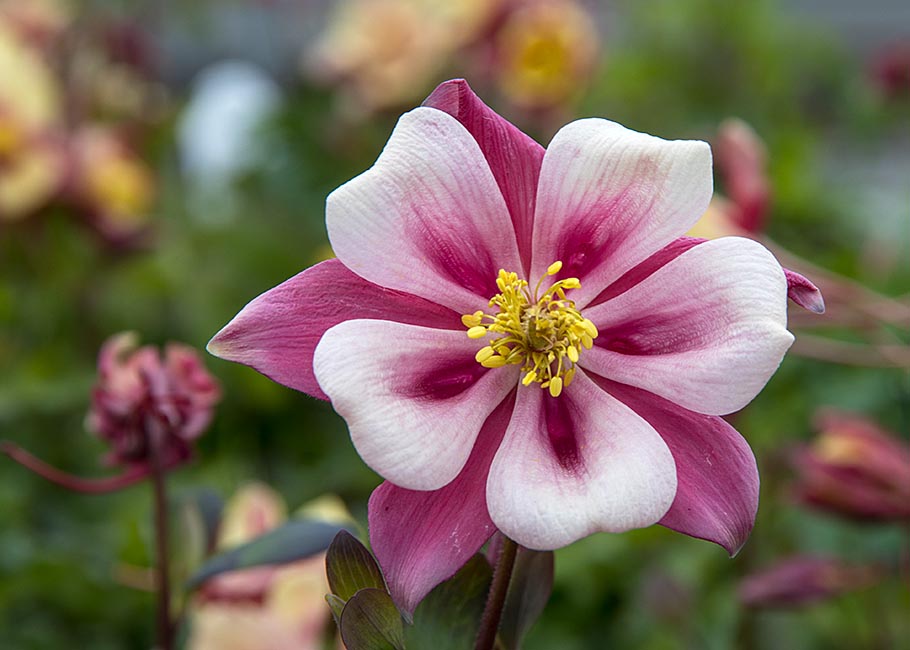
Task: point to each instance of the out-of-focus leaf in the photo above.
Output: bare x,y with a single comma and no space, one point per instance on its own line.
370,621
295,540
350,567
208,506
529,591
449,617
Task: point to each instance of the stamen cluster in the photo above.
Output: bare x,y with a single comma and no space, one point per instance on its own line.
544,333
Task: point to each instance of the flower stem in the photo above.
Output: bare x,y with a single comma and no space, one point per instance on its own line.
75,483
162,561
492,612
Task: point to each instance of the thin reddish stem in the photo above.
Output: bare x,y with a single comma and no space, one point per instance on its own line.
70,481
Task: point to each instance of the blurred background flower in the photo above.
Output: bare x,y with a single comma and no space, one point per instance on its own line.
31,155
265,608
803,580
146,404
855,469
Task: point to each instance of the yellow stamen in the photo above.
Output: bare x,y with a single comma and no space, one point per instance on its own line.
493,362
543,332
555,386
472,320
483,354
477,332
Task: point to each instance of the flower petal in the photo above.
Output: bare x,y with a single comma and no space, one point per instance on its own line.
428,217
277,332
717,492
805,294
422,538
706,331
577,464
641,271
610,197
799,288
414,397
514,158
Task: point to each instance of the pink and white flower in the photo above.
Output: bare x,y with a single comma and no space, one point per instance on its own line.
591,403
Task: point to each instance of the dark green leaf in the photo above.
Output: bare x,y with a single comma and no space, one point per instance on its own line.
370,621
449,617
529,591
296,540
350,567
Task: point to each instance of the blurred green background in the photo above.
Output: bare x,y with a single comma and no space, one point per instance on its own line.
802,74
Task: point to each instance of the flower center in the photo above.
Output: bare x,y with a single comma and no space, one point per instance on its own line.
544,333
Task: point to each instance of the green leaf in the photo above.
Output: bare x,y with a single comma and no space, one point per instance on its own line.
370,621
449,617
529,591
296,540
336,604
350,567
207,506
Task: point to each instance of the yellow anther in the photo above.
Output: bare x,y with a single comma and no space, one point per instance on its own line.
570,375
572,353
493,362
589,327
570,283
529,378
554,268
483,354
555,386
477,332
472,320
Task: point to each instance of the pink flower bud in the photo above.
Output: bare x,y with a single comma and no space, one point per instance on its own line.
741,161
803,579
143,399
855,469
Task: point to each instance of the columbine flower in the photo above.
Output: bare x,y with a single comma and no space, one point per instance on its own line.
545,50
270,607
522,339
855,469
111,183
385,52
143,399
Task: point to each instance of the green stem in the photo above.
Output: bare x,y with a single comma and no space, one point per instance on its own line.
492,612
162,561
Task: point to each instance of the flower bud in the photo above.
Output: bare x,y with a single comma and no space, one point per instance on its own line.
142,399
741,161
855,469
804,579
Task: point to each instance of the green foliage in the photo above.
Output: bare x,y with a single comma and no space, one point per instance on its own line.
350,567
370,621
297,539
449,617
